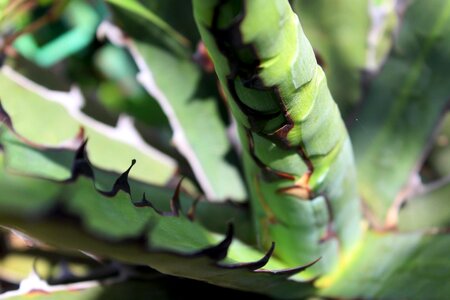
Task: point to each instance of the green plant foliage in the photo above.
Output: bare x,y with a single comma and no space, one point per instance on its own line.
180,148
340,43
396,261
191,108
298,159
404,105
61,111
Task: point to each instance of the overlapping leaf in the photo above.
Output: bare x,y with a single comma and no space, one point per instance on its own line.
52,118
116,219
340,43
404,105
190,100
429,210
394,266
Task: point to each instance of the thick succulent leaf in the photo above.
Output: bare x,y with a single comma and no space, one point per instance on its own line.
190,100
111,226
427,211
297,154
53,118
114,219
340,43
404,105
394,266
45,162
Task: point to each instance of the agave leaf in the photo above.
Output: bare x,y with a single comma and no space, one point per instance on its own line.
190,100
108,221
404,105
297,155
340,43
110,224
427,210
38,161
394,266
69,236
54,118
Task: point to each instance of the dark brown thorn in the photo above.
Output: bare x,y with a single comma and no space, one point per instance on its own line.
192,210
279,136
252,265
289,272
81,164
145,203
121,182
175,206
261,165
80,154
219,251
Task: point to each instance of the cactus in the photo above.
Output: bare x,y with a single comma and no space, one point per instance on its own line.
243,183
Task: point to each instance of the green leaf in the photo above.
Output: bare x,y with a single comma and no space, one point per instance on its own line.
134,232
426,211
297,155
191,103
340,43
37,161
404,105
53,118
394,266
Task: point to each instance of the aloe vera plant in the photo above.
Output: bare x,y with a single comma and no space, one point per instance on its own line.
247,182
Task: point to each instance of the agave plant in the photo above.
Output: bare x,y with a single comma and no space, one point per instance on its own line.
144,143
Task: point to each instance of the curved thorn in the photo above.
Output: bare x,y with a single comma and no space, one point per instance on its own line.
192,210
81,164
289,272
252,265
219,251
121,182
145,203
81,154
175,206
